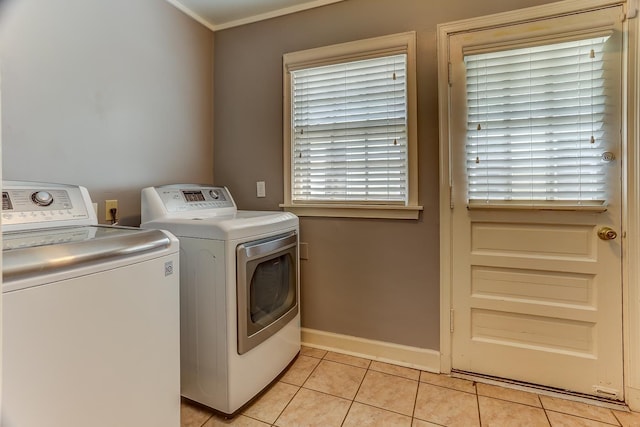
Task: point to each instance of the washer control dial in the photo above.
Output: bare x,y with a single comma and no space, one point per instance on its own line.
42,198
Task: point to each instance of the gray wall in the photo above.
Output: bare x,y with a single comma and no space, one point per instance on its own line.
114,95
374,279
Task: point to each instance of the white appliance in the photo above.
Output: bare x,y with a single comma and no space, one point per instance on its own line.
240,320
90,315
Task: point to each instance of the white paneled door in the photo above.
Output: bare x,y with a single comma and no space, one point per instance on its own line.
536,283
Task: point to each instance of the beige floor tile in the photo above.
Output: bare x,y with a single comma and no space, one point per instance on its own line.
300,370
564,420
447,381
347,359
271,404
336,379
311,408
363,416
388,392
579,409
238,421
517,396
497,413
400,371
628,419
420,423
445,406
192,415
312,352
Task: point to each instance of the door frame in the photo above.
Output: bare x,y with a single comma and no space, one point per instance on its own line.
630,175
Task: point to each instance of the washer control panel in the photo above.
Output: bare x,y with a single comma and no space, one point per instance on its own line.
40,203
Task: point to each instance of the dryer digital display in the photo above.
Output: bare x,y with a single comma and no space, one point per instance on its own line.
193,196
209,195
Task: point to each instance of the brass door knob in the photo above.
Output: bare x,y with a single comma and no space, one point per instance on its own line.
607,233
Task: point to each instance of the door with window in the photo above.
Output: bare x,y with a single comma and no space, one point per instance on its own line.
536,202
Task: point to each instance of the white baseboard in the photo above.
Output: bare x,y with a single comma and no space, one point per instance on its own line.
411,357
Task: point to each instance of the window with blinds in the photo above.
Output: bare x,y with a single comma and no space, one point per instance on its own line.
536,129
350,131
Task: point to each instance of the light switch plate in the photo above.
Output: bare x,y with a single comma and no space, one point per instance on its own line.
261,189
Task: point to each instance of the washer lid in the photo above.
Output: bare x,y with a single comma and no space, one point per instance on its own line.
42,252
240,225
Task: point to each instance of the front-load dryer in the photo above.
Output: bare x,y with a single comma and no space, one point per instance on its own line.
239,312
90,315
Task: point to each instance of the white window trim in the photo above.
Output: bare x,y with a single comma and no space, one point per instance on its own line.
351,51
631,172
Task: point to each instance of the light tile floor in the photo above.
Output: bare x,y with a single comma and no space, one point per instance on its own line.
327,389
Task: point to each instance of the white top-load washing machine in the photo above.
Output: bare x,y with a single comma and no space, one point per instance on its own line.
240,320
90,315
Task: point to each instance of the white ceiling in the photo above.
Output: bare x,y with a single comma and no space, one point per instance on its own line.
221,14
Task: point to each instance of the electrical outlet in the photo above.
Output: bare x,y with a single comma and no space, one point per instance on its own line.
108,205
304,250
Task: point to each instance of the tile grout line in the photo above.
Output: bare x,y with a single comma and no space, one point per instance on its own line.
580,415
355,395
415,401
475,387
210,413
503,399
617,419
367,370
546,414
207,420
285,406
300,387
619,424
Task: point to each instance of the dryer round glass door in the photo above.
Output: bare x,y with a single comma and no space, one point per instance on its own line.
267,288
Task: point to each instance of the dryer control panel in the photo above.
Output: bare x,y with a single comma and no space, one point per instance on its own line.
27,205
186,200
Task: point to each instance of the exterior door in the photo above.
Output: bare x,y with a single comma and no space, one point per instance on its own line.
536,287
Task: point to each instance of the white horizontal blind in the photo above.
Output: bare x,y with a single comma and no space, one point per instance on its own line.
535,128
350,132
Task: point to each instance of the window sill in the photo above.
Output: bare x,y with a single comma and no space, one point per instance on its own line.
354,211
